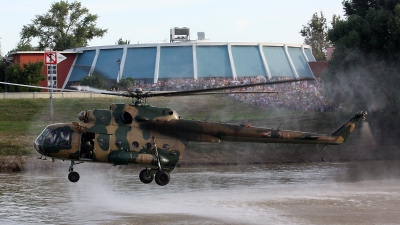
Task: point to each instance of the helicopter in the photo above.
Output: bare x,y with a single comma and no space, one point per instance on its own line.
156,137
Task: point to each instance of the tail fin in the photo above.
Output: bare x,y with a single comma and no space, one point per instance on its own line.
345,130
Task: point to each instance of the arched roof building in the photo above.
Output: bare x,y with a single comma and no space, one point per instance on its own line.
149,63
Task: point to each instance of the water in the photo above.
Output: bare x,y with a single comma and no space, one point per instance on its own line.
316,193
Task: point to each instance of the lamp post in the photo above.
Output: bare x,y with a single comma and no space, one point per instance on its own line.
119,75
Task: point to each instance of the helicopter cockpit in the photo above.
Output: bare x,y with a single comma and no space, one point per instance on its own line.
52,139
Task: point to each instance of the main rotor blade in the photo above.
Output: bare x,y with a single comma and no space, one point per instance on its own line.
39,87
139,94
104,92
199,92
224,93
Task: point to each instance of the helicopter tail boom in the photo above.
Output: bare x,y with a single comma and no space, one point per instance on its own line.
265,135
344,131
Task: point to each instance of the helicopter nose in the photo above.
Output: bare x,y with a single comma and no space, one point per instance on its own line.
39,147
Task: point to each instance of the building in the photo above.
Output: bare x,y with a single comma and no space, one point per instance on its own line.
149,63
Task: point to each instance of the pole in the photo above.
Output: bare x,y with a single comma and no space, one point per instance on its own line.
51,93
50,81
5,74
119,75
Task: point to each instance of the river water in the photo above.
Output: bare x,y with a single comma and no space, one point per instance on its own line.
314,193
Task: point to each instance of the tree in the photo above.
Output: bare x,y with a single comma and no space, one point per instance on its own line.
29,73
94,81
372,26
315,34
65,25
335,20
23,45
122,42
2,71
127,83
365,65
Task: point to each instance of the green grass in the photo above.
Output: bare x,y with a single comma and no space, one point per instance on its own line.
22,120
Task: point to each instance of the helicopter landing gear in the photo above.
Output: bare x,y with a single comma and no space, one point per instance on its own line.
73,176
146,176
162,178
322,155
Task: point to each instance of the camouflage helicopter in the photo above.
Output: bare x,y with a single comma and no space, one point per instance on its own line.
155,137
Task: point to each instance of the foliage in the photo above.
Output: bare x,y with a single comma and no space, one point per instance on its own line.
24,45
315,34
365,65
122,42
335,20
371,26
29,73
65,25
127,83
94,81
2,72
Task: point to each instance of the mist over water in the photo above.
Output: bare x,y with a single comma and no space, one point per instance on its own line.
315,193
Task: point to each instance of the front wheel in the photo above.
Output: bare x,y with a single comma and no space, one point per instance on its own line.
162,178
73,176
145,176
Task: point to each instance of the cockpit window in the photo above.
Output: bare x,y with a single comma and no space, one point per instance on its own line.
50,139
44,134
59,138
63,138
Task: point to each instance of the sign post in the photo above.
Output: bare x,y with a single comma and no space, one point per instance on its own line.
50,59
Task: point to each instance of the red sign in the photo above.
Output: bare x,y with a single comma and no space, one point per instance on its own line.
50,58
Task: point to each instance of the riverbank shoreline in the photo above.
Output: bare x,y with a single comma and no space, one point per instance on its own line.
37,163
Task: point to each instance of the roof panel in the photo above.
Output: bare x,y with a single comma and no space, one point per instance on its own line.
213,61
309,55
176,62
299,62
140,62
277,61
107,63
248,61
82,65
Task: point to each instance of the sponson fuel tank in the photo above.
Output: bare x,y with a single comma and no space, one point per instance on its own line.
124,157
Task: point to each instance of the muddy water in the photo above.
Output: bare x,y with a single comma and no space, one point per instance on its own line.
317,193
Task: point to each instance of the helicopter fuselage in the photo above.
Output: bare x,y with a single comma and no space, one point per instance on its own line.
156,137
133,134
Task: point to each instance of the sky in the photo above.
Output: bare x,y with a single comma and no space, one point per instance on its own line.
150,21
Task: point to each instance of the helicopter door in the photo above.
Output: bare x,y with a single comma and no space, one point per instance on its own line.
87,146
101,147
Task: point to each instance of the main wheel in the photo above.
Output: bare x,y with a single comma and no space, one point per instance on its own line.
145,176
162,178
73,177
